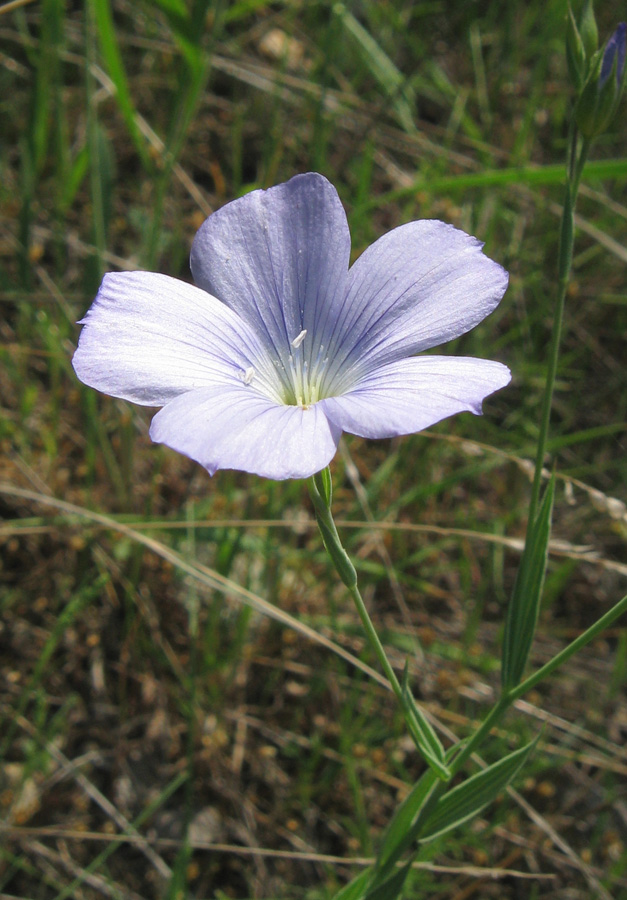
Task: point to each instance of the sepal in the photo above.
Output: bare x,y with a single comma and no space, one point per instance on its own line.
575,52
588,29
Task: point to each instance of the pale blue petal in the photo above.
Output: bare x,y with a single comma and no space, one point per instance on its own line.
237,428
148,338
417,287
411,394
279,258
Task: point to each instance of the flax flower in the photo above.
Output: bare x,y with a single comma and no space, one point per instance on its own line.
280,347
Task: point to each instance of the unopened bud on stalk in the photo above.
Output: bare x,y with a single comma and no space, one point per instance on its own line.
614,56
602,91
582,41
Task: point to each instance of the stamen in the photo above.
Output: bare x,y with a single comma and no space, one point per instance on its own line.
248,376
299,339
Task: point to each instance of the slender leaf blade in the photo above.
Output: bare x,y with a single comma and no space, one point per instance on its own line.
399,834
522,612
391,887
471,796
534,176
115,66
356,888
422,730
383,69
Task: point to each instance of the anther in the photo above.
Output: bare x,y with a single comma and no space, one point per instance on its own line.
299,339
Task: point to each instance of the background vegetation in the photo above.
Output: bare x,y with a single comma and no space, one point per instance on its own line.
180,716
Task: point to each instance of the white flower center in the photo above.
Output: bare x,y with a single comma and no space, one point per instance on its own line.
299,377
305,376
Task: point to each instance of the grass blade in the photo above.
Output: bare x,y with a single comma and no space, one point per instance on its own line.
383,69
113,59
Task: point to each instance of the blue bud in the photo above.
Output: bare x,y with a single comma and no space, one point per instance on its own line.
614,49
602,91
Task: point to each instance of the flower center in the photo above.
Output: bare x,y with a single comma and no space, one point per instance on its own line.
299,377
303,385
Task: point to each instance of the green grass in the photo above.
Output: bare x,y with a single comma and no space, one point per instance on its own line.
184,680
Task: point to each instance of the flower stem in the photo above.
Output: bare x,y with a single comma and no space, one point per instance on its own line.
578,148
421,730
476,739
577,155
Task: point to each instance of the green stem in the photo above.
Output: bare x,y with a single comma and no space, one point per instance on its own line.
375,642
547,402
581,161
421,730
475,741
577,156
330,535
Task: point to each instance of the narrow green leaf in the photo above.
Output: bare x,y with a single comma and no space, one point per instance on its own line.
356,888
383,69
399,834
74,179
46,74
416,719
172,7
240,10
471,796
391,887
522,612
180,21
408,822
115,68
178,18
491,178
100,157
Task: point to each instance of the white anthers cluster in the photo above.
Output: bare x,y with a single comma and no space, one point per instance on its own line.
306,376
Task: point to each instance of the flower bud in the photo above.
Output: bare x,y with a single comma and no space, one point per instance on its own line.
602,91
614,53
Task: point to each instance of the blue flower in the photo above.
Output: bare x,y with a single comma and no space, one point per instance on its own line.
281,347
